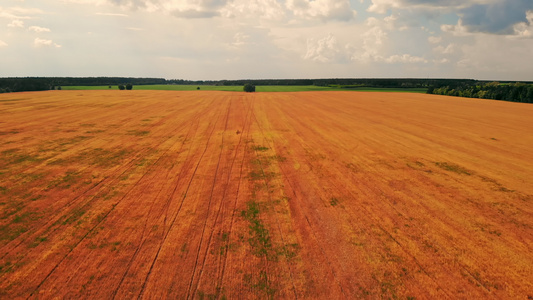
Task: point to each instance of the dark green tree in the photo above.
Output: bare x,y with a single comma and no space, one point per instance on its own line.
129,86
121,87
249,88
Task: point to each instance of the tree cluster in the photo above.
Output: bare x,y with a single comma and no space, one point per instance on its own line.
340,82
22,84
8,85
128,87
515,92
249,88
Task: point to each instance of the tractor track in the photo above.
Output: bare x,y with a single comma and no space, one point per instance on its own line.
116,179
147,278
245,128
190,289
193,129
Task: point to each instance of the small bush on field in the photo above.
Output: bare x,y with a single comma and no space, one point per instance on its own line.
249,88
121,87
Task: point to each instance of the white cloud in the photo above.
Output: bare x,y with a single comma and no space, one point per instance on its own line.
16,24
524,29
269,10
38,29
216,39
371,42
441,61
323,50
18,12
325,9
457,30
405,58
40,43
434,39
445,50
111,14
178,8
3,44
503,17
498,56
381,6
195,13
239,39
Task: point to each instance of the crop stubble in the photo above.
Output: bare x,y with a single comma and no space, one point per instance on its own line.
109,194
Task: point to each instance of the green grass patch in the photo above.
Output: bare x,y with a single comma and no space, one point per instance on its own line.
37,241
65,181
83,88
260,284
6,267
94,131
16,157
74,216
10,208
10,232
102,157
17,226
138,132
71,141
9,132
106,158
266,88
259,240
260,148
259,175
453,168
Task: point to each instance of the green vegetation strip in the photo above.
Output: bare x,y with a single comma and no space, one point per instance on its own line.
266,88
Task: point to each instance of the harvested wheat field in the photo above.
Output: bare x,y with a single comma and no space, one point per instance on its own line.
339,195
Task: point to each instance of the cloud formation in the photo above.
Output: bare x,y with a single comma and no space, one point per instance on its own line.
19,12
525,29
38,29
40,43
111,14
324,50
486,16
16,24
210,39
498,17
324,9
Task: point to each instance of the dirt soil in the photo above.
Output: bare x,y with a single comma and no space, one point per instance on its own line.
338,195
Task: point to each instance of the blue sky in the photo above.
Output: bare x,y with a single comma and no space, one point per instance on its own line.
237,39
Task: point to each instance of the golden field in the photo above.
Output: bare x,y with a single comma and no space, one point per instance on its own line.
340,195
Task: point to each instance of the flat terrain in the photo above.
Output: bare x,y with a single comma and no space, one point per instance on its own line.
264,88
338,195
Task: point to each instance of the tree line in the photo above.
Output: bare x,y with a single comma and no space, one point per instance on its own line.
339,82
23,84
508,91
515,92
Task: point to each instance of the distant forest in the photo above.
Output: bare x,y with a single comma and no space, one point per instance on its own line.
515,92
508,91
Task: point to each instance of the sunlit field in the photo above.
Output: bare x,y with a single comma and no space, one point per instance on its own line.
232,195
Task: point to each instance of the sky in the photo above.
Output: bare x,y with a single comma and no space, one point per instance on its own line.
268,39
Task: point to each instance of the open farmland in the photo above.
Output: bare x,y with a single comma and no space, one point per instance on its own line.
340,195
